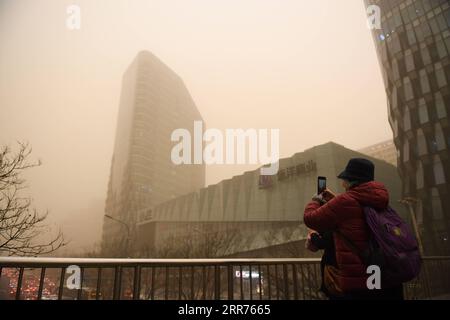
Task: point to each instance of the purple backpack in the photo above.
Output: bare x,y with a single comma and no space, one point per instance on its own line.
395,242
393,247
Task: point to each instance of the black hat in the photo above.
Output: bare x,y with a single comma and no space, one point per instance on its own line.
358,169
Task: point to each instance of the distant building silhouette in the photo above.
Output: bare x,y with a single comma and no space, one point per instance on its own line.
413,47
154,102
384,151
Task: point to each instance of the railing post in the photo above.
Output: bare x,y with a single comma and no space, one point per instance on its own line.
427,278
80,290
277,282
316,281
117,283
166,284
294,278
302,271
192,282
230,283
216,282
241,282
61,283
260,282
268,282
19,284
41,283
286,282
251,282
137,283
204,281
152,291
309,281
99,283
180,283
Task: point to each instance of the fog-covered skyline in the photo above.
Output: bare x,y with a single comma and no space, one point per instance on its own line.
308,68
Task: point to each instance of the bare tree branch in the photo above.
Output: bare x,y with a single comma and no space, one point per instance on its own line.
21,226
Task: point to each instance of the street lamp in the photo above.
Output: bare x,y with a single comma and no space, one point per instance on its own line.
409,202
128,230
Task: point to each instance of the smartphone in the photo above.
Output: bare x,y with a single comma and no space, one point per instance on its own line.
321,184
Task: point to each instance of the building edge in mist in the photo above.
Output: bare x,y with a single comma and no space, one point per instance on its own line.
383,150
265,211
154,102
413,47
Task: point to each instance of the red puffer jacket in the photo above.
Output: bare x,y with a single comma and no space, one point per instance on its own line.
345,213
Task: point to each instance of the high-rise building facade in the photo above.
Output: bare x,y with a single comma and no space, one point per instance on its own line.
154,102
413,47
385,151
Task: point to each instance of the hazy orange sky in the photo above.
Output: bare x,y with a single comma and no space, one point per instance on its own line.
306,67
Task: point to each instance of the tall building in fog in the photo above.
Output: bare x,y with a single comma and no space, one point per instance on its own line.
413,47
154,102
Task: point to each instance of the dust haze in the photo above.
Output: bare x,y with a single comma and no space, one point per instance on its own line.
308,68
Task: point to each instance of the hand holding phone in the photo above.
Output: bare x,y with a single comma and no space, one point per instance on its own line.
327,194
321,185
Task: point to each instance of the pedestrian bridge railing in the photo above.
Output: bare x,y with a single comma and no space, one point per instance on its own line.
186,279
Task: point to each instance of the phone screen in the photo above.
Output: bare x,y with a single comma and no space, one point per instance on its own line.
321,184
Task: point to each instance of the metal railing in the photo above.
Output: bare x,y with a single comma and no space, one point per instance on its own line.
186,279
433,281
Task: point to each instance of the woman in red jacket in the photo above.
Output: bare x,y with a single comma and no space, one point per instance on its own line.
342,216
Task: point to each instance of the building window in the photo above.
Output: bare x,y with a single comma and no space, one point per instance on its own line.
440,75
441,22
419,32
438,169
409,94
447,13
421,143
426,30
395,128
423,111
409,60
406,120
419,176
406,151
426,58
440,138
440,106
394,103
385,77
441,49
436,204
447,40
395,43
426,6
434,26
397,18
411,36
424,83
395,70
